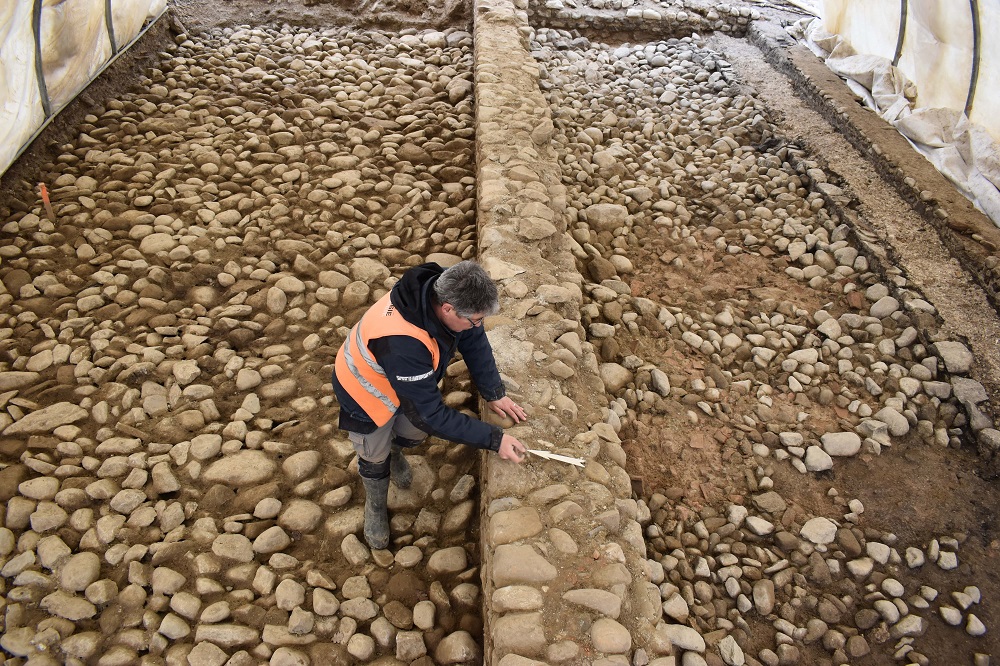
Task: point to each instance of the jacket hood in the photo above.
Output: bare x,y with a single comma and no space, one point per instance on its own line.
413,294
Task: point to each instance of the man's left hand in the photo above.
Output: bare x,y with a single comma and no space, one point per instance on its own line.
507,407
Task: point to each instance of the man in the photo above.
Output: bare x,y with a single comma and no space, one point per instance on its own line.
387,373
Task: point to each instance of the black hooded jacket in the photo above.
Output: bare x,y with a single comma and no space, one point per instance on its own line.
409,368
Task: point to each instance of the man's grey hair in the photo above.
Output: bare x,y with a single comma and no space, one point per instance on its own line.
469,289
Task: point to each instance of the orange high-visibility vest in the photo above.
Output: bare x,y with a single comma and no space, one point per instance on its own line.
360,374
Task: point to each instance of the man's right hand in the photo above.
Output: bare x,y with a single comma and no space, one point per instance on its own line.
511,449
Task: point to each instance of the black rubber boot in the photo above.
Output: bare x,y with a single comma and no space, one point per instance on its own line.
376,512
402,474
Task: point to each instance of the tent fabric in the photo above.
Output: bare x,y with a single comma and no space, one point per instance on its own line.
987,97
74,44
21,109
870,26
130,15
937,52
963,151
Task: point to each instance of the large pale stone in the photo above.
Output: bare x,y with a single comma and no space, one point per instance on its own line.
324,602
763,596
956,356
498,269
675,607
410,645
345,522
234,547
522,633
207,654
245,468
446,260
884,307
18,641
601,601
17,380
841,443
79,571
897,423
48,516
414,497
300,515
610,637
41,488
458,518
681,636
300,465
68,606
512,659
606,216
47,419
290,284
517,598
520,564
819,530
227,635
447,560
458,648
510,526
910,625
158,242
271,540
731,652
614,376
818,460
186,372
81,645
167,581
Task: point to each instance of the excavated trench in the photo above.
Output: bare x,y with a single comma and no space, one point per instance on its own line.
218,230
176,489
756,329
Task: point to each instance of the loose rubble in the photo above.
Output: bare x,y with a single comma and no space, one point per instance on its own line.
657,142
165,343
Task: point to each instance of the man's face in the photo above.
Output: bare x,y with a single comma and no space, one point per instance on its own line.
456,322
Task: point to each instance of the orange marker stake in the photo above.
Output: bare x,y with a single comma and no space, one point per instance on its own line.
45,200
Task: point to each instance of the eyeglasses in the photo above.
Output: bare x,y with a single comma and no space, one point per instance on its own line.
474,322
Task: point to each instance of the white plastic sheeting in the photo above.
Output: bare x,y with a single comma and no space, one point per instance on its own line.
21,111
936,51
74,45
926,95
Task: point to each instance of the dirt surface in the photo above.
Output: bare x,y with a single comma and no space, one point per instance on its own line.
964,308
367,14
121,75
918,246
912,491
110,123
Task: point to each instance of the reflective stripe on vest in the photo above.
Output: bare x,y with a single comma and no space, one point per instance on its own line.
360,374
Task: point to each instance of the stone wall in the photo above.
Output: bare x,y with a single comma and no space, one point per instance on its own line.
664,22
554,537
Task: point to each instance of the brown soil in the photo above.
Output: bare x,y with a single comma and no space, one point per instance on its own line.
963,306
367,14
912,490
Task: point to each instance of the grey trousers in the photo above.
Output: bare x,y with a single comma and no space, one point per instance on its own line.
375,446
